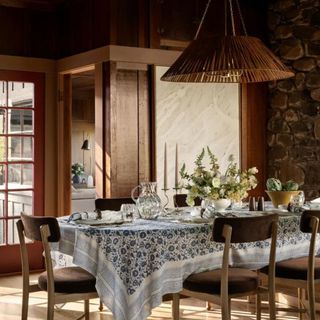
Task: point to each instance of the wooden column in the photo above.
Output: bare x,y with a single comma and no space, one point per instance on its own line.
254,100
126,145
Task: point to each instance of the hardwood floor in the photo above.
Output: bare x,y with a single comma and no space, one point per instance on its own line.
10,307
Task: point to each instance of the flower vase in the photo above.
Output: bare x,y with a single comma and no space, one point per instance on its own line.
221,205
76,179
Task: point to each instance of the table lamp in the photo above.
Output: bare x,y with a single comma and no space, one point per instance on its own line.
87,147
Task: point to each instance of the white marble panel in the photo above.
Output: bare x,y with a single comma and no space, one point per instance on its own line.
195,116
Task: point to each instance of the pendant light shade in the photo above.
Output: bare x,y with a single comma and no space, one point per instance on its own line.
227,58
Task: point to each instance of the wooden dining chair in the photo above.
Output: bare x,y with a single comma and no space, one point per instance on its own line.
111,204
180,200
221,285
302,273
62,284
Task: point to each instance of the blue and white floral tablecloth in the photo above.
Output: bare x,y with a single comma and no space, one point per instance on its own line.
136,264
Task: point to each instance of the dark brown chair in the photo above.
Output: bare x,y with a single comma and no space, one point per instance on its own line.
180,200
111,204
64,284
221,285
302,273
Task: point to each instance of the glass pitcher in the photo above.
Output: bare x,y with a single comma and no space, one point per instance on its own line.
148,202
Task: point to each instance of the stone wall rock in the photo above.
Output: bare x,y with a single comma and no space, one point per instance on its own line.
293,135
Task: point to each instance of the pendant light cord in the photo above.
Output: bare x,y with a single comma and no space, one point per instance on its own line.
225,18
202,19
232,18
241,19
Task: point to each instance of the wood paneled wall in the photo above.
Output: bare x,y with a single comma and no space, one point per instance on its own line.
80,25
126,129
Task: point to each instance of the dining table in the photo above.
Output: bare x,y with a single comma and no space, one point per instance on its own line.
137,263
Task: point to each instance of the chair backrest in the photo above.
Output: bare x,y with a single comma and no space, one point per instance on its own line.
246,229
32,227
306,218
44,229
111,204
180,200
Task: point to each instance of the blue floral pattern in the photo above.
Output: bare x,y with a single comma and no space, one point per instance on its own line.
144,247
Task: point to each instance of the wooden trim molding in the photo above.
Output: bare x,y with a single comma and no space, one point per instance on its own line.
253,124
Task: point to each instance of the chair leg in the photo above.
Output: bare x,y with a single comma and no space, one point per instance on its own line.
25,303
272,305
312,303
258,306
50,310
175,306
100,305
86,310
225,309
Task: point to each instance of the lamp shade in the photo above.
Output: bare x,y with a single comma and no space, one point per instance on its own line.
227,59
86,145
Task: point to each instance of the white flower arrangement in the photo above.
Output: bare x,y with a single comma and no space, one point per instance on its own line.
211,184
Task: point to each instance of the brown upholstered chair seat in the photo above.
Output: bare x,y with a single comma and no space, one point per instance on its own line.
69,280
239,280
296,268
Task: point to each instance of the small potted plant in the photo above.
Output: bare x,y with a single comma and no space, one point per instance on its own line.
279,192
76,169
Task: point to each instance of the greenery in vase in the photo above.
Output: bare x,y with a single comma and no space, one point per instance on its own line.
274,184
211,184
77,169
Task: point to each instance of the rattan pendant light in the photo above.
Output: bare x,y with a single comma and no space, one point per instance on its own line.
227,59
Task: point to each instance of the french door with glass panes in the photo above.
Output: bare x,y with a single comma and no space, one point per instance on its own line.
21,161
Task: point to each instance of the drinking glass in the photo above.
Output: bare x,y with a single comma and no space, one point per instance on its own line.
129,212
296,202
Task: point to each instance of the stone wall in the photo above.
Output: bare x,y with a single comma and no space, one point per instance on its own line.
294,112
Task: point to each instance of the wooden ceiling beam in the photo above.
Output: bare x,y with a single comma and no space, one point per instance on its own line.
43,5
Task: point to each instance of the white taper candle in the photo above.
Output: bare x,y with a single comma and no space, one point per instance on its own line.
165,170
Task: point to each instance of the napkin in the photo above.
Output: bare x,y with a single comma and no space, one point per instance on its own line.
111,216
317,200
74,216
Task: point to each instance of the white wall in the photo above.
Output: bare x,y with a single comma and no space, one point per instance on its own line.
194,116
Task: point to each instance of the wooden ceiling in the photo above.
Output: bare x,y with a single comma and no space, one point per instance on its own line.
46,5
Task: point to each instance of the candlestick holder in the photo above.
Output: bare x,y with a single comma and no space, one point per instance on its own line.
176,207
167,198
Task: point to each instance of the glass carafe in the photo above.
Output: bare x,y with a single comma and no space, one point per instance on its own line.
148,201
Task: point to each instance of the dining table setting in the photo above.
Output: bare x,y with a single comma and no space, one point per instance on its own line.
136,261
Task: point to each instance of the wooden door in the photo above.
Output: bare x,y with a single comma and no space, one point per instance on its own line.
21,161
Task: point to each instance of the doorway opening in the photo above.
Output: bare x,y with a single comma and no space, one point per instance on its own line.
83,191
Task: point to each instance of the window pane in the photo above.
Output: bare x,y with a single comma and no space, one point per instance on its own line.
12,231
20,176
3,93
3,156
20,121
2,231
2,208
21,94
19,201
2,121
2,176
20,149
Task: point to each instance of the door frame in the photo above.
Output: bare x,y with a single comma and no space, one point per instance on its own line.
12,262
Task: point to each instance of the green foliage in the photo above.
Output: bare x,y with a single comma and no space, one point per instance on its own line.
290,186
77,169
274,184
